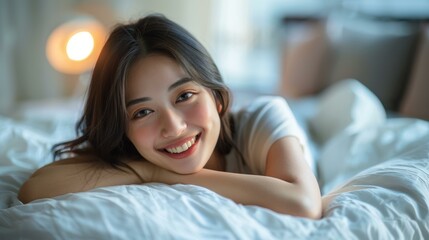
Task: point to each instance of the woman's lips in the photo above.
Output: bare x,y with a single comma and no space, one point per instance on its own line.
183,150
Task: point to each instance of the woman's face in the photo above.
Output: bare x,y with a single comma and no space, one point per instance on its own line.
172,120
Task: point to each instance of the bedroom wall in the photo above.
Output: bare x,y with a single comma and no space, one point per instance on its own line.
6,43
245,38
25,25
25,72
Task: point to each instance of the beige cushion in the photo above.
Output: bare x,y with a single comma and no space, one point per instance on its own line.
416,99
304,59
377,53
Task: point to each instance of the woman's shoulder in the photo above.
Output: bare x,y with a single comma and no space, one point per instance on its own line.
78,160
263,115
75,159
257,125
265,101
263,107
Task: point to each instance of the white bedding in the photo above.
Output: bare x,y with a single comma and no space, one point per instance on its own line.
375,183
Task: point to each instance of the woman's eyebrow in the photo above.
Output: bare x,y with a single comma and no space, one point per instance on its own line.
171,87
137,100
179,82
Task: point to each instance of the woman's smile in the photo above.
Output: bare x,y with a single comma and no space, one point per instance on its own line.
180,151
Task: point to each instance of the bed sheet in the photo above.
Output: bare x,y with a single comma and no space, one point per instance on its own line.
386,199
375,184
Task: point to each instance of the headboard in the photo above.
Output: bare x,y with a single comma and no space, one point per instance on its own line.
388,55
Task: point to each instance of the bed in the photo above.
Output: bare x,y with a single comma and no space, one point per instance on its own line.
373,169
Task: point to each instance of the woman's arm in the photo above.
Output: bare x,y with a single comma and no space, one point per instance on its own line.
77,174
289,185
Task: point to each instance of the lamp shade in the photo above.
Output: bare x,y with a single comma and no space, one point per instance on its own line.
74,46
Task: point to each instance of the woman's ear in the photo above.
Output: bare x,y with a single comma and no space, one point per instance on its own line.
219,107
217,102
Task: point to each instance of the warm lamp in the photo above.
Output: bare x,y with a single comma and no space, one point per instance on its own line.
74,46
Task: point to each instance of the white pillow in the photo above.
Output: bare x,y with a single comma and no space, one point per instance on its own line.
345,106
347,154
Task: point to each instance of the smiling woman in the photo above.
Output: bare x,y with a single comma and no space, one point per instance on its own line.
158,111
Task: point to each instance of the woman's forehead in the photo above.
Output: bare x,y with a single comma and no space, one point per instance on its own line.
154,71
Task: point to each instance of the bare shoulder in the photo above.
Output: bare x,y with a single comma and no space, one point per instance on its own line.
86,162
71,175
80,159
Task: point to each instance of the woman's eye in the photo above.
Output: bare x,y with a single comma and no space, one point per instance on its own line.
142,113
184,96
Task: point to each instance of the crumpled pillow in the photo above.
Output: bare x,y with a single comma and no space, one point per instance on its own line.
345,106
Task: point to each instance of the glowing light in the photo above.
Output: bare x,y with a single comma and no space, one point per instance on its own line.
73,47
80,46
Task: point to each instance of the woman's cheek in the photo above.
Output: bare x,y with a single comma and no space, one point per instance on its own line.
140,137
203,113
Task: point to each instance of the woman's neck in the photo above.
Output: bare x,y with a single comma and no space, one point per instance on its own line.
216,162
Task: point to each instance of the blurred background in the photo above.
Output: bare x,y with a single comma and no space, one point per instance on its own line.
294,48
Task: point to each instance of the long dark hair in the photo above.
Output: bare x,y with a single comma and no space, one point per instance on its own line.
101,129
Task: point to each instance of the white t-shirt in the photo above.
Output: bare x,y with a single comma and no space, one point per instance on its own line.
257,127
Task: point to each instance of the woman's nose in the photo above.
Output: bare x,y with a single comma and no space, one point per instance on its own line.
172,123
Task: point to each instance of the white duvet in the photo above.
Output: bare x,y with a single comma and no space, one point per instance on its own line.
375,183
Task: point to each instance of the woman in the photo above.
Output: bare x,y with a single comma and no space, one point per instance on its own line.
158,111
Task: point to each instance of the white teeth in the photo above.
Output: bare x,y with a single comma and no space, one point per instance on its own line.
182,148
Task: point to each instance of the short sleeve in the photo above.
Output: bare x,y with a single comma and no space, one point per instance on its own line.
260,124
